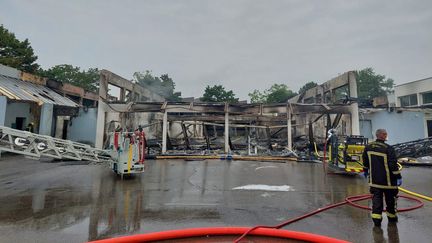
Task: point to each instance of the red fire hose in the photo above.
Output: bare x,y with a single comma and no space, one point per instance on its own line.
349,200
260,230
219,231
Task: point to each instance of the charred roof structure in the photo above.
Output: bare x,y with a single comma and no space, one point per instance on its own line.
273,120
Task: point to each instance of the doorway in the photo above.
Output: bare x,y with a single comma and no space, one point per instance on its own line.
429,127
19,123
65,129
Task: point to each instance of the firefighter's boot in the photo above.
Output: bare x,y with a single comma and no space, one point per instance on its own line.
377,222
377,218
392,217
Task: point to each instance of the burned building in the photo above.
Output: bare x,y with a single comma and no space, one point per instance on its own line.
28,104
47,107
341,90
223,126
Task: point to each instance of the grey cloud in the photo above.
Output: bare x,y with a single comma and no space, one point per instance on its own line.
243,45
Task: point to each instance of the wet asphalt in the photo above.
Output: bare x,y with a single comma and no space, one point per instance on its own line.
49,201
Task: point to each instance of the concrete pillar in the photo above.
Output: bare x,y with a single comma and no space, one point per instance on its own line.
3,104
122,94
289,135
164,132
227,148
355,122
101,112
46,119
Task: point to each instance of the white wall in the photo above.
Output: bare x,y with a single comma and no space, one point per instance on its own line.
416,87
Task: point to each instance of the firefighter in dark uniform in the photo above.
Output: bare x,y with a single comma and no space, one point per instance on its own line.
380,164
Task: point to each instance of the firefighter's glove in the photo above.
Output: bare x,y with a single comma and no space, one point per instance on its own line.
399,182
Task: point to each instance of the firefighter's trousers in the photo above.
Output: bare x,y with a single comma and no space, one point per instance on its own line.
378,206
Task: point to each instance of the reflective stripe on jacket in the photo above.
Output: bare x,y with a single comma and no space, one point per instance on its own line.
380,159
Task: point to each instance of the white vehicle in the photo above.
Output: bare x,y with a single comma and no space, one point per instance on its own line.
128,152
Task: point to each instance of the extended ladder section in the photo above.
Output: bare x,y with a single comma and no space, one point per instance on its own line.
37,146
414,149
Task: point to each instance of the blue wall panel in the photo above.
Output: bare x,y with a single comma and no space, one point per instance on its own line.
401,127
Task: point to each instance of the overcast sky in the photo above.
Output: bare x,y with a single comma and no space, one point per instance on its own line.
243,45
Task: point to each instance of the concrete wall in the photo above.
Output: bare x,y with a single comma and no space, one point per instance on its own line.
46,119
349,122
416,87
60,120
83,127
401,127
127,120
14,110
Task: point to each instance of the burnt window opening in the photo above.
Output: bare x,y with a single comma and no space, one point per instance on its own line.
341,93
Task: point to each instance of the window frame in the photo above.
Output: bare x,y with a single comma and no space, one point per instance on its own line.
409,100
423,98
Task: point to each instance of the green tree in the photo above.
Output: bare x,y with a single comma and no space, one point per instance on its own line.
166,81
15,53
257,97
371,85
163,85
65,73
307,86
277,93
169,84
217,93
146,79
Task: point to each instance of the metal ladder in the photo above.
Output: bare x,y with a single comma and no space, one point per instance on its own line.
414,149
37,146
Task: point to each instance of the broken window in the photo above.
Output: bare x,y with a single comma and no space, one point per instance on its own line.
128,96
113,93
341,92
408,100
327,97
